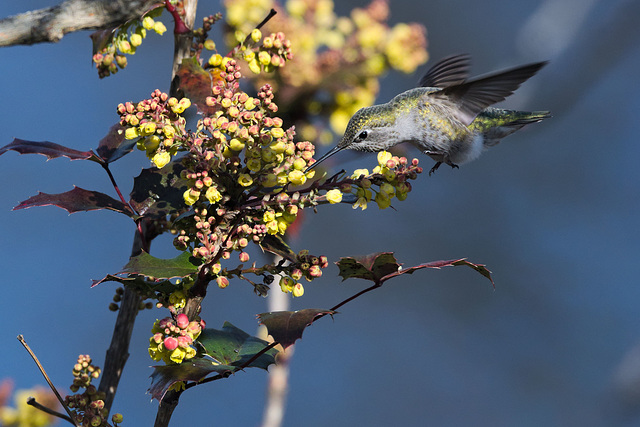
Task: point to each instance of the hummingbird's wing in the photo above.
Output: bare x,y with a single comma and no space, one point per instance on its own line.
470,98
449,71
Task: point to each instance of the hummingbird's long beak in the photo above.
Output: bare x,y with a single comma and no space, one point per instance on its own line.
331,152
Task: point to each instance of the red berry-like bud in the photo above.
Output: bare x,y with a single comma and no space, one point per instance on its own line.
170,343
182,320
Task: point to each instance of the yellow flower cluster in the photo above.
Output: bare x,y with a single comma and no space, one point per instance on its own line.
125,41
390,175
156,124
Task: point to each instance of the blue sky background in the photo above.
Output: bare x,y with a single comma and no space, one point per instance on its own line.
552,211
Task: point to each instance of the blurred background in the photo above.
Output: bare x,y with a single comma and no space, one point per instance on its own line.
552,211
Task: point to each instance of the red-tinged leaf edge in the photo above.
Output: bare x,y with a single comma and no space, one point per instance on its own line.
196,369
77,200
480,268
286,327
49,149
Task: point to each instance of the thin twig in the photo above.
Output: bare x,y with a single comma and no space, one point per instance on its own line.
105,166
32,402
46,377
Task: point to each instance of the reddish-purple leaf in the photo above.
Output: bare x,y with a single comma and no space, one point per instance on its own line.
101,38
287,326
196,83
369,267
76,200
114,146
49,149
159,192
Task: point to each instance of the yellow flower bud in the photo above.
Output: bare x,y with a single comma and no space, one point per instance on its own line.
213,195
334,196
161,159
256,35
384,157
296,177
264,57
131,133
298,290
159,28
136,40
254,66
245,180
215,60
148,22
236,145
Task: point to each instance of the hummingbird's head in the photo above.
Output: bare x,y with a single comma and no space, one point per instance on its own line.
370,129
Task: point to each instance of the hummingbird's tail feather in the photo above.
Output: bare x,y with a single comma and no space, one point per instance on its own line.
496,123
473,96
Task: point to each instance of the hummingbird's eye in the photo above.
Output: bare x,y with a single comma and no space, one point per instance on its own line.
362,135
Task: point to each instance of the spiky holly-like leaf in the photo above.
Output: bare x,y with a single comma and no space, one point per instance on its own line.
150,266
159,192
222,351
287,326
76,200
369,267
49,149
234,347
114,145
139,283
382,266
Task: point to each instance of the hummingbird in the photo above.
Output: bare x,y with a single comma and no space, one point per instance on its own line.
448,117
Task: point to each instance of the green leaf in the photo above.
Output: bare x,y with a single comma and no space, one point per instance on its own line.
150,266
76,200
222,351
159,192
287,326
234,347
196,84
49,149
369,267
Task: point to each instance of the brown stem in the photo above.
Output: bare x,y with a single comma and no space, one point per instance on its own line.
46,377
31,401
118,351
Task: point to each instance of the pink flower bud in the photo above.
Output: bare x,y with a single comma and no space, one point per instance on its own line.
170,343
182,320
